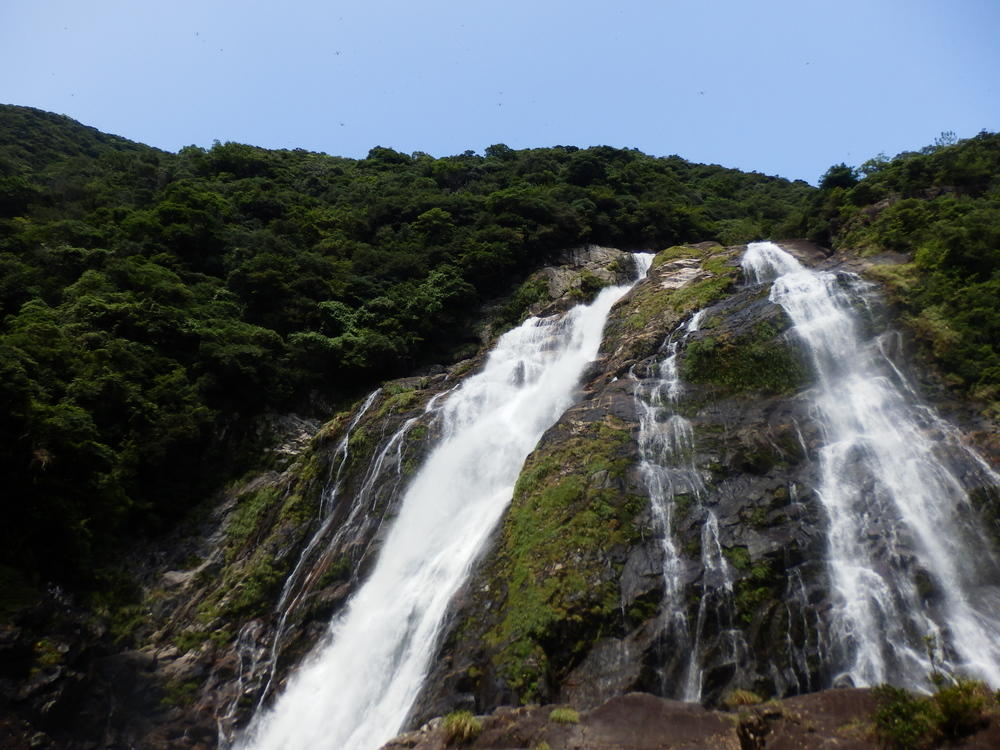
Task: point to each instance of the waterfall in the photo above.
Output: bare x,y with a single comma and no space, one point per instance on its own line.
914,580
666,464
355,691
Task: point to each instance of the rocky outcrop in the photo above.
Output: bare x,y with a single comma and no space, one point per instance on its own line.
568,605
235,599
839,719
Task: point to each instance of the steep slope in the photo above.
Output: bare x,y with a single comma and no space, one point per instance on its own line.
693,580
155,306
670,532
32,139
232,602
583,598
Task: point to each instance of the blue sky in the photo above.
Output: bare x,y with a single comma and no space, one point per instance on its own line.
778,87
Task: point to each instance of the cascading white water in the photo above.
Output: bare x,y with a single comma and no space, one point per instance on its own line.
667,467
907,560
384,471
355,691
666,453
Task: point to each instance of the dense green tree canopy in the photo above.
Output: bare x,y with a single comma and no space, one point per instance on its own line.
153,304
939,208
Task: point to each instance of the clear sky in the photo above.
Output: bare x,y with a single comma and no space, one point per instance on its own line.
783,87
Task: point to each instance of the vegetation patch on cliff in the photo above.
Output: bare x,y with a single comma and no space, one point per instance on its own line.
939,208
555,551
759,361
684,279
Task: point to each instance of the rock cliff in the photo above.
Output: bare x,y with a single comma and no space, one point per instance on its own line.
570,604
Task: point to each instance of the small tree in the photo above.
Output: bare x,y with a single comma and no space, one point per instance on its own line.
839,175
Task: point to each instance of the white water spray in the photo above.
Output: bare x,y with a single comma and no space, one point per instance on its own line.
907,560
355,691
667,467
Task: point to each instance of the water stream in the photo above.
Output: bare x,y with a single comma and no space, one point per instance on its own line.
667,466
914,578
355,691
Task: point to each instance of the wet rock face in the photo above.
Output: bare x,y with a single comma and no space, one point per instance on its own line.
574,609
580,599
570,603
234,602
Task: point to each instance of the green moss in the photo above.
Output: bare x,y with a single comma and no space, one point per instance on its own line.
552,559
460,727
295,509
258,582
676,252
683,503
221,637
588,287
756,516
357,443
338,570
400,399
190,640
758,586
250,511
759,362
564,716
651,301
180,692
47,653
647,304
739,557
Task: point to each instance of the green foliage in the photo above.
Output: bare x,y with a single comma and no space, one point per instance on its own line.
739,697
941,208
517,305
958,707
903,721
839,175
564,716
461,727
153,305
761,361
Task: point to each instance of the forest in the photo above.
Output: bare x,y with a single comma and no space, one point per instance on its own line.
153,306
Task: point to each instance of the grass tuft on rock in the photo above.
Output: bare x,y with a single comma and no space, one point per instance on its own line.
461,727
739,697
904,721
565,716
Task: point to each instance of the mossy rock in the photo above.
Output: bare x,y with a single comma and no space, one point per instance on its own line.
555,555
651,303
759,361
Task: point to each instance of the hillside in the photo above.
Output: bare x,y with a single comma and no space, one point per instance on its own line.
154,305
226,368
